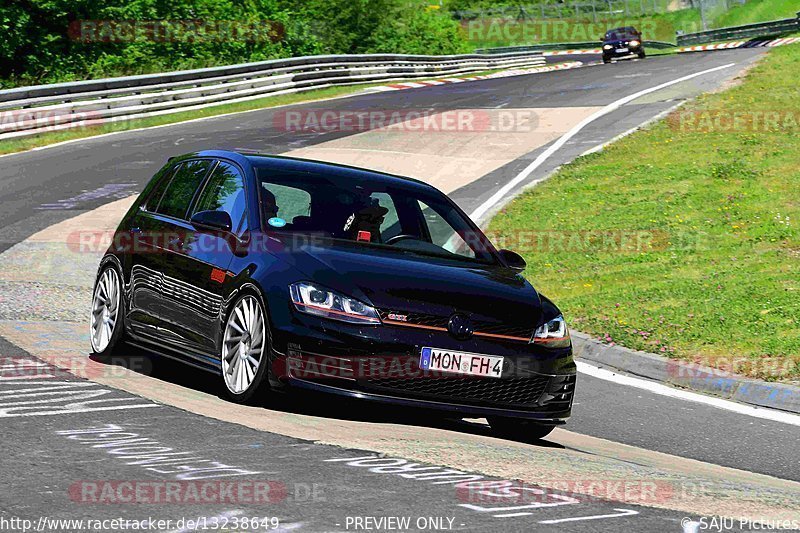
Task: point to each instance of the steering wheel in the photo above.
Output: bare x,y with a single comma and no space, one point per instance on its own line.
401,237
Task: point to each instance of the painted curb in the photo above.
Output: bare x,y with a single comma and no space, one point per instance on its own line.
697,378
521,71
729,45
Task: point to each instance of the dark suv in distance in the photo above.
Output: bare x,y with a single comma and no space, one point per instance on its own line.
280,273
622,42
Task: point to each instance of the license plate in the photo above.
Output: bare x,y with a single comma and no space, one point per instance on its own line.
622,50
471,364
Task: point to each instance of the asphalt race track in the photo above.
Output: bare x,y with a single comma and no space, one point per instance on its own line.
325,465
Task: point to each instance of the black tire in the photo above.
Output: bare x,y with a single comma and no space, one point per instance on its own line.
259,384
606,60
118,329
516,429
641,54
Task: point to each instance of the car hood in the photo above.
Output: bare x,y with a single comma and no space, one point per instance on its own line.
401,282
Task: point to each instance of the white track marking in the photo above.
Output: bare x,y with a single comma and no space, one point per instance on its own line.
624,134
666,390
622,512
73,411
553,148
23,364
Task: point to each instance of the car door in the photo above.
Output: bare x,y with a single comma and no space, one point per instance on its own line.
143,263
195,277
158,230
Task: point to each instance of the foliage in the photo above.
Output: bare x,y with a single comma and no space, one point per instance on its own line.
420,32
44,42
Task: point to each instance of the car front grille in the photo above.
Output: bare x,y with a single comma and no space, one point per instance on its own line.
516,391
520,331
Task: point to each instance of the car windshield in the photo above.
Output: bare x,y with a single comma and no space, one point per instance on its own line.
622,34
407,219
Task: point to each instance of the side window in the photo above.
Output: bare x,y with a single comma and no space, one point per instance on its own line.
224,191
390,227
284,202
176,199
151,204
443,234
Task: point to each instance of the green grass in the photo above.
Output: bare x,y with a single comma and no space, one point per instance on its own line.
722,211
757,11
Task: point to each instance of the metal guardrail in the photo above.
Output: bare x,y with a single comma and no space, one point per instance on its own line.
563,46
759,29
539,47
33,110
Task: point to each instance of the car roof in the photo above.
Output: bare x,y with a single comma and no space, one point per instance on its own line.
296,164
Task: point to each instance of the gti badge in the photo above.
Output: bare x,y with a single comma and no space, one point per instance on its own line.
460,327
398,318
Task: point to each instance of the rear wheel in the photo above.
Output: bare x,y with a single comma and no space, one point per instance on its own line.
517,429
106,326
244,341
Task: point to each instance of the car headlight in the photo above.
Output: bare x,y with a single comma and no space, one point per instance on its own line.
634,43
316,300
553,333
607,47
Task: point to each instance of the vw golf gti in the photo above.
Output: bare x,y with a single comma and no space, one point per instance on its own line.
285,274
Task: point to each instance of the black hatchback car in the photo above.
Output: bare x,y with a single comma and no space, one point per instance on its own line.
279,273
622,42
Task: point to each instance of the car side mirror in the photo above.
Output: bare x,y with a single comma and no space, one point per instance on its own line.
513,260
212,221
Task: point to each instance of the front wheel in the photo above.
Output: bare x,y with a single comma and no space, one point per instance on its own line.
606,60
106,325
641,54
244,349
514,428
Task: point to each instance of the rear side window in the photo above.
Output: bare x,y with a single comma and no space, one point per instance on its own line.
151,204
181,189
225,192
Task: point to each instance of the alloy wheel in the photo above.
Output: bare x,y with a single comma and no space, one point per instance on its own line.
105,309
243,345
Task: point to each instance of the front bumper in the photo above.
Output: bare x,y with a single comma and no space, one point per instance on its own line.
381,364
622,51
